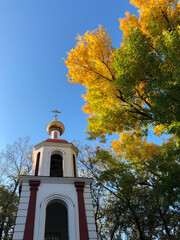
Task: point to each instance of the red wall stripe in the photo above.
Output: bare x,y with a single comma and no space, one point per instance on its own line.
29,228
83,229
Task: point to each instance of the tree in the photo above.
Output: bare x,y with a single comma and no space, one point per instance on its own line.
129,90
139,197
106,229
7,216
15,160
137,85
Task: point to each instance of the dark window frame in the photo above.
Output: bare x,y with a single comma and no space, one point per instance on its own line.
52,233
56,165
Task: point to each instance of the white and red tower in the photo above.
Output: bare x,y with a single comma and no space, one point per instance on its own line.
55,203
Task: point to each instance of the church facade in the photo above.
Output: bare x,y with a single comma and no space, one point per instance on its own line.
55,204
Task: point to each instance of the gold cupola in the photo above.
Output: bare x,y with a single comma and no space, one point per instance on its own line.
55,128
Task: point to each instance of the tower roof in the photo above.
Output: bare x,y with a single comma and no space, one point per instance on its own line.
55,124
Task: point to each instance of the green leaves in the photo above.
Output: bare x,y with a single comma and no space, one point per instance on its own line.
138,201
7,213
132,89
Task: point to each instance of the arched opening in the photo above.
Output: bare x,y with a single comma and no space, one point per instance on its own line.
37,164
74,165
56,169
56,227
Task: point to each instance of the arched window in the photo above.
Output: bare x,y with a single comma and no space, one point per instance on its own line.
56,227
56,169
74,165
37,164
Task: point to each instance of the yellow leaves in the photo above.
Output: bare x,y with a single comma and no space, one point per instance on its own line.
140,3
130,21
143,4
154,16
120,84
90,61
90,64
159,130
87,109
149,150
135,148
176,11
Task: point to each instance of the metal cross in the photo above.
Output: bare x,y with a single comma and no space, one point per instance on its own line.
55,114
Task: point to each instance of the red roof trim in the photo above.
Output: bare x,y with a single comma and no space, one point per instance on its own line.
56,140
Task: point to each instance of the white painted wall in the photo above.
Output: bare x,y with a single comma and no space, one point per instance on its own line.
89,213
54,188
46,149
52,134
65,192
49,189
22,213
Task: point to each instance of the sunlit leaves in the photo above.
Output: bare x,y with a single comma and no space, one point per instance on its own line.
90,60
155,16
129,90
137,84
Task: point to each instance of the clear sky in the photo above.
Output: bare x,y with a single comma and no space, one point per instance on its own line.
34,36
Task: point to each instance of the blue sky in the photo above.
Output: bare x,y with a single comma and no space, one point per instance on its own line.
35,35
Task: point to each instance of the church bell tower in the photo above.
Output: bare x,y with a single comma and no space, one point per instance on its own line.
55,204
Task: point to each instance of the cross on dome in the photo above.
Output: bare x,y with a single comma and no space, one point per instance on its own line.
55,114
55,128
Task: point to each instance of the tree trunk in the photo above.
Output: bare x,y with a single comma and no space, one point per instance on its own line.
141,233
165,224
2,226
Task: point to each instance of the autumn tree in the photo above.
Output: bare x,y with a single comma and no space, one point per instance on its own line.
136,194
100,196
7,215
15,160
129,90
137,85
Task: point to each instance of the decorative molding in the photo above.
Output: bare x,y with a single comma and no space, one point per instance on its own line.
83,229
55,144
57,180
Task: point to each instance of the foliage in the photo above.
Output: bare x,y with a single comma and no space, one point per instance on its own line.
100,196
15,160
7,215
135,201
129,90
136,85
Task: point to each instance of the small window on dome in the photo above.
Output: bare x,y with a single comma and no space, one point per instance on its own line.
56,169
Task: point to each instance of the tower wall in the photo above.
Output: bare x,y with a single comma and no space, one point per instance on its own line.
22,212
54,179
54,189
46,149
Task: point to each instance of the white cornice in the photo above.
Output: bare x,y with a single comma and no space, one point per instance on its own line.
55,144
56,180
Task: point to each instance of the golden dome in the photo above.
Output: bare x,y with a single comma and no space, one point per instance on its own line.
55,125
